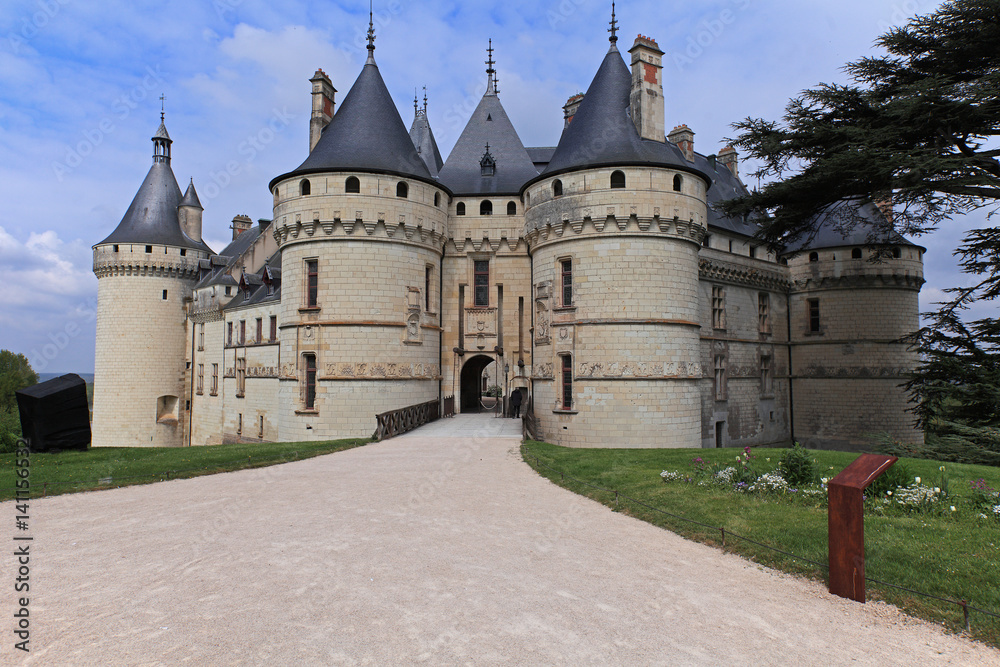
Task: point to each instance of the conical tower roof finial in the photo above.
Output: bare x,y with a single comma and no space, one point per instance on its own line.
614,26
491,86
371,33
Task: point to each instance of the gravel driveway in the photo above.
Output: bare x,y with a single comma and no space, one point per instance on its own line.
424,549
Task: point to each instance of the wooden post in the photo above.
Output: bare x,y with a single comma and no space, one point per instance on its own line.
847,524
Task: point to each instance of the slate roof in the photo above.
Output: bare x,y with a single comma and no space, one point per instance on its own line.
725,185
366,134
850,223
423,139
258,285
191,197
541,156
219,266
602,132
152,216
488,124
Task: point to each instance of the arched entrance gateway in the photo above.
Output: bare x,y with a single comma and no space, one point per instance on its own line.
472,385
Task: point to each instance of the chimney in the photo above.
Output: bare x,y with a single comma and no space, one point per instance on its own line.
683,137
241,223
569,110
323,103
728,157
647,89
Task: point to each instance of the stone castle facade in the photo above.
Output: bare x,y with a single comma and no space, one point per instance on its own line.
594,277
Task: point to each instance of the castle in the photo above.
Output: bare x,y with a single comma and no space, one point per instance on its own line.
594,276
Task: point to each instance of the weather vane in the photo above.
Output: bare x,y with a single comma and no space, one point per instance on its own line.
371,27
614,25
162,97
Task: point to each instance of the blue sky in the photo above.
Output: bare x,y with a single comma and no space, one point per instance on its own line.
80,84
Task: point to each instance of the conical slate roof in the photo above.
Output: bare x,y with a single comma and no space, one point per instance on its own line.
191,197
489,124
850,223
152,216
423,138
602,132
366,134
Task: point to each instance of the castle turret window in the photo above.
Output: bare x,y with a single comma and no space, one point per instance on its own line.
813,305
460,208
486,207
566,267
481,282
437,198
814,257
310,384
149,248
260,330
557,188
201,337
618,179
304,187
678,181
402,190
511,208
352,185
855,253
897,253
312,283
567,382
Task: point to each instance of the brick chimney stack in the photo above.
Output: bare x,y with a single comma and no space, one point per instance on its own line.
241,223
647,89
729,157
683,137
323,103
569,109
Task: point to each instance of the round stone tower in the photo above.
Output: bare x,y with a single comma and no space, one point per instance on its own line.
361,226
146,270
614,225
854,295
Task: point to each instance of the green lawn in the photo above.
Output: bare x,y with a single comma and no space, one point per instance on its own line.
110,467
955,556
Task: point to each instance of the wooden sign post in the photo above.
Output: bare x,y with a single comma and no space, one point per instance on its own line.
847,524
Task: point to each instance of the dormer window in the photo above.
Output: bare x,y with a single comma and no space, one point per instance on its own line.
488,165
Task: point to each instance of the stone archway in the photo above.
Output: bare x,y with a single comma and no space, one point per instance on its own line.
472,372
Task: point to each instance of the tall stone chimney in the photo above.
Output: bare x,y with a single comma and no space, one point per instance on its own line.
647,89
569,109
323,103
683,137
728,157
241,223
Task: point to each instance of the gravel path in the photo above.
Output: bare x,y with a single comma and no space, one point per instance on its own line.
418,550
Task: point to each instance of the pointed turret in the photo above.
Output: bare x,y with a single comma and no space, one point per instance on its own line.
464,174
423,138
153,216
189,213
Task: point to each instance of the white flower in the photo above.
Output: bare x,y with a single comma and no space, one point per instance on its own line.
937,489
888,493
824,479
738,458
952,508
917,479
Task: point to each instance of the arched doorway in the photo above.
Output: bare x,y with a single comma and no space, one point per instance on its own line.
472,382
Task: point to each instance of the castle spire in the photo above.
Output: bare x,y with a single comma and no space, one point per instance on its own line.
614,26
371,34
490,71
425,100
161,142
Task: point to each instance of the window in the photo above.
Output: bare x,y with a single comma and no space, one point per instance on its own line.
764,313
304,187
720,377
201,379
116,248
567,282
260,330
856,253
511,208
766,377
617,179
312,283
246,293
239,425
184,252
896,253
481,282
164,295
567,382
402,190
260,429
557,189
274,328
352,185
707,241
486,208
229,290
814,257
753,251
437,198
678,181
460,208
201,336
310,394
527,199
215,380
718,307
149,248
428,272
229,338
243,332
241,377
813,315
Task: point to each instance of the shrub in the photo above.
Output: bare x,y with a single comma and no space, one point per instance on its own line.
898,476
10,430
797,467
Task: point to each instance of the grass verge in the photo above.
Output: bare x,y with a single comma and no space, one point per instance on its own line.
955,555
112,467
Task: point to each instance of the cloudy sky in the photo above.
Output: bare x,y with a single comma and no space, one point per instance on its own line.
80,84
